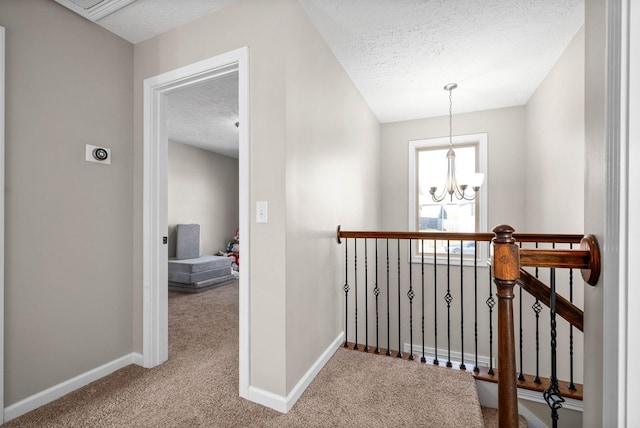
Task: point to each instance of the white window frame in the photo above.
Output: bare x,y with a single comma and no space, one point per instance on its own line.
443,142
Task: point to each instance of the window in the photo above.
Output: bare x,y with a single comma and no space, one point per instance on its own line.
427,168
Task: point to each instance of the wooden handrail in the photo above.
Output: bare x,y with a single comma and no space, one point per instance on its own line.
540,291
440,236
587,258
454,236
548,238
566,259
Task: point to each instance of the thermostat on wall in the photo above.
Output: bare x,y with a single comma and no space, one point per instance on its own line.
98,154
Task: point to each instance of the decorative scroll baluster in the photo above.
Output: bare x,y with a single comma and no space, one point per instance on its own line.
537,308
520,375
422,359
355,286
388,308
475,305
399,354
346,293
462,366
448,298
376,292
490,303
552,393
435,304
571,385
366,298
410,295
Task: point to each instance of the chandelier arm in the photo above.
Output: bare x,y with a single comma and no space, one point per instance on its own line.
440,197
459,192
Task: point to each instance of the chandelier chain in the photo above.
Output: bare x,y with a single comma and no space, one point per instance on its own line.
450,120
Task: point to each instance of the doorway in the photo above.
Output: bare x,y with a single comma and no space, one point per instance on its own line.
155,248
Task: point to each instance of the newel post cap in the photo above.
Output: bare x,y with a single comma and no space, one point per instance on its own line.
504,234
506,255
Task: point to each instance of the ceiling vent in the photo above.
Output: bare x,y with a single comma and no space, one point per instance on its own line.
94,10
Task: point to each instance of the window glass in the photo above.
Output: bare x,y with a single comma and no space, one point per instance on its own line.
428,168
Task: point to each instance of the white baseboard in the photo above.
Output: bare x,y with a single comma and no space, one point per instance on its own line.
50,394
456,357
266,398
137,359
284,404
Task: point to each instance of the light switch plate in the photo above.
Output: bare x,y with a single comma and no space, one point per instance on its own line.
262,211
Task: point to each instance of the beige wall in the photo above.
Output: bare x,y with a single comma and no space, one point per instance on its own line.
68,249
313,147
554,175
555,147
505,163
332,178
202,189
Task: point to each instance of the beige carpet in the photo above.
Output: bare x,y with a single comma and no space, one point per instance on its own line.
198,386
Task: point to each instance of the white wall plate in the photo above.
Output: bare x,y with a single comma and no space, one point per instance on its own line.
98,154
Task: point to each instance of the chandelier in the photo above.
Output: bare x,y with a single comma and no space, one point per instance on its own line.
451,186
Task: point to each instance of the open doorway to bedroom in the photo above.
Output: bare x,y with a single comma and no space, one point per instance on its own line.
157,90
203,227
202,191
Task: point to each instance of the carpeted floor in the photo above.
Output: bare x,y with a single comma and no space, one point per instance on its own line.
198,385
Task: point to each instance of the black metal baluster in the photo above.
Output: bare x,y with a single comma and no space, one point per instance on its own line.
435,304
410,295
571,385
388,310
520,376
399,354
462,366
537,308
376,292
475,303
552,393
448,298
422,359
490,303
355,286
366,297
346,292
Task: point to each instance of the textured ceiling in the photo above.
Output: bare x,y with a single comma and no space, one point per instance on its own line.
144,19
205,115
399,53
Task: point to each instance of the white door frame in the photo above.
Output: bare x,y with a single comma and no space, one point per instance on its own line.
2,35
620,391
155,254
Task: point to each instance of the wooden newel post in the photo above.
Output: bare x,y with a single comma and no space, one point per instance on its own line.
506,270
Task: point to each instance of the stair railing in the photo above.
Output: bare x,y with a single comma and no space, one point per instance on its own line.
506,271
508,259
